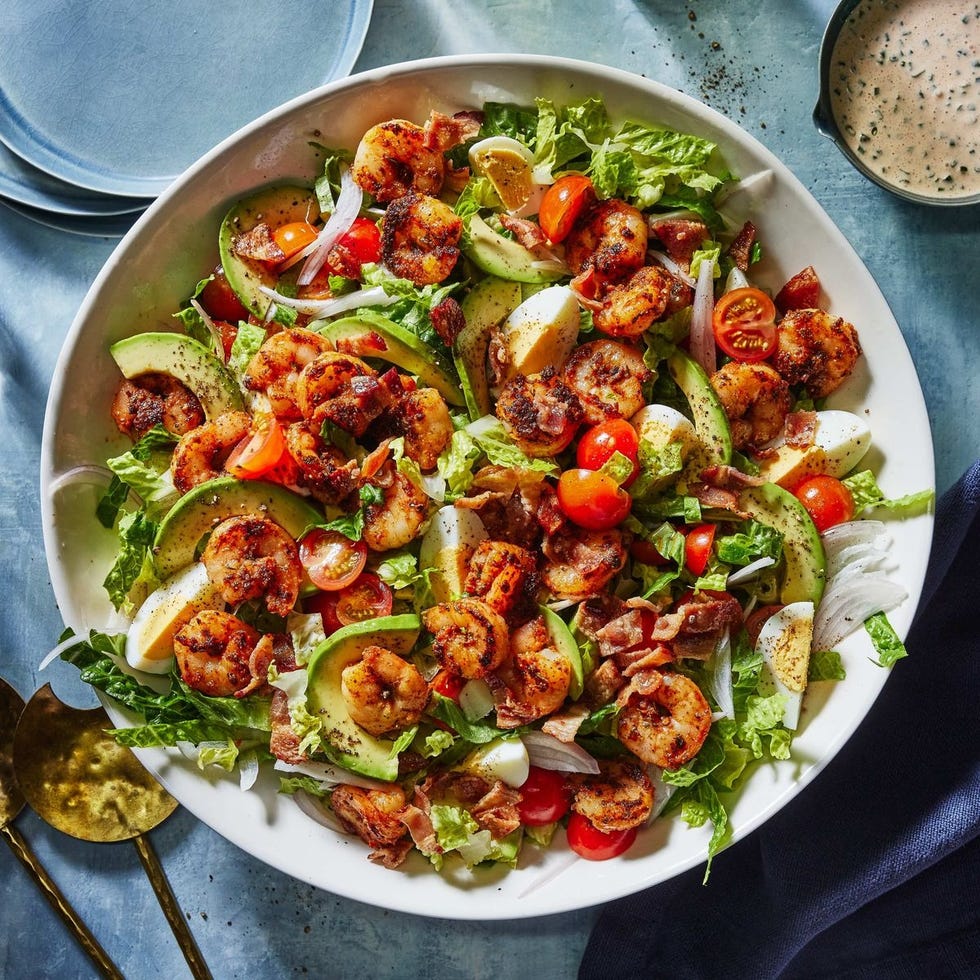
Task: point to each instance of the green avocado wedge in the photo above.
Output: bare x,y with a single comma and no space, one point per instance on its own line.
504,257
564,641
710,420
185,359
346,742
273,206
206,505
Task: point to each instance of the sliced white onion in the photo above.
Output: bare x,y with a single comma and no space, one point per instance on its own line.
188,750
662,791
736,279
672,267
702,336
476,699
548,752
750,570
322,308
720,676
217,345
248,771
846,606
348,206
330,775
316,810
72,641
550,265
559,605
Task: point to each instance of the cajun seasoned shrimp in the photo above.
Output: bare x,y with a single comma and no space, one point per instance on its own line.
325,390
276,366
815,349
397,518
535,678
540,412
422,417
383,692
610,241
213,652
500,573
374,815
469,636
252,557
628,309
664,722
323,468
608,378
581,563
618,798
756,399
396,157
155,399
201,453
420,238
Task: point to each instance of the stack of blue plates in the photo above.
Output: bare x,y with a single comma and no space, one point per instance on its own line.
103,105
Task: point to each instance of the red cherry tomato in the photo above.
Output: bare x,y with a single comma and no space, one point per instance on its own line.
294,236
562,204
448,685
827,501
257,453
744,323
592,500
697,548
367,597
219,299
597,445
331,559
545,797
596,845
324,603
363,238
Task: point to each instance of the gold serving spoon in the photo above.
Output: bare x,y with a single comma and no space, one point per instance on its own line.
87,785
11,803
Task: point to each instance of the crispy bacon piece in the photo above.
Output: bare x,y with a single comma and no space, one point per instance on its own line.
801,292
374,815
718,498
595,612
725,477
447,320
497,811
283,741
681,237
416,818
507,501
800,429
740,249
493,805
602,685
526,232
444,132
366,343
693,628
258,245
564,724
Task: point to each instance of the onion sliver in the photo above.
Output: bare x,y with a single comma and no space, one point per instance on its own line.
330,775
749,571
547,752
348,207
702,336
844,608
248,770
476,699
322,308
315,810
672,267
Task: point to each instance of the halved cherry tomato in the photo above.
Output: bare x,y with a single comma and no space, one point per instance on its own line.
258,453
827,501
448,685
294,236
331,559
367,597
562,204
744,323
324,603
219,299
593,844
545,797
363,238
592,499
597,445
697,547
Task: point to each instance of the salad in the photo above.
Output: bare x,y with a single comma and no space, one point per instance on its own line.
483,494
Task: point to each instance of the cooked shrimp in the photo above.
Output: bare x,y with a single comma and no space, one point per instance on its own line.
666,725
536,677
630,308
396,520
383,692
581,563
610,240
213,652
155,399
276,367
540,412
816,349
620,797
500,573
252,557
201,453
420,238
756,399
323,468
422,417
608,378
469,637
324,391
396,157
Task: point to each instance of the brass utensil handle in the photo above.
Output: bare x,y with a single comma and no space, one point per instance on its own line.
60,904
181,931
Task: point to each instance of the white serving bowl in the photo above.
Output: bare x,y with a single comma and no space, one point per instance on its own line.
174,244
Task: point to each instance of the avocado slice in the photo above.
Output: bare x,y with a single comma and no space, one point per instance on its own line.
710,420
805,573
347,743
486,306
185,359
402,348
274,206
564,641
207,504
503,257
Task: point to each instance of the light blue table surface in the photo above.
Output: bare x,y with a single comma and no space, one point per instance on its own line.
753,60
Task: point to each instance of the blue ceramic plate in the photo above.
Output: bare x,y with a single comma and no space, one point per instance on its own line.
93,225
120,97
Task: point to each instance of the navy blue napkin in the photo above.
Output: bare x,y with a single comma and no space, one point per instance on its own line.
871,873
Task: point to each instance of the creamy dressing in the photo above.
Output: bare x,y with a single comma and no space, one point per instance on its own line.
905,84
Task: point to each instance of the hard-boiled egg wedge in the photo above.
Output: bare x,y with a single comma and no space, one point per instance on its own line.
509,165
840,441
505,759
660,425
447,546
150,638
541,331
784,643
